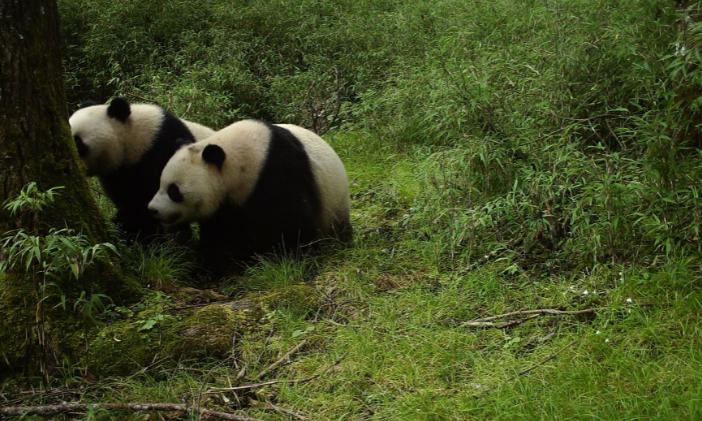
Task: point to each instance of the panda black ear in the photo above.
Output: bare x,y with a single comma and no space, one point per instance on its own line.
119,109
213,154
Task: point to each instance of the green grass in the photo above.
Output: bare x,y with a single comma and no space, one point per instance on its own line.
405,354
504,155
392,319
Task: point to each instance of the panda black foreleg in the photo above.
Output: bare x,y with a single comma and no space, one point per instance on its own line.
135,227
141,227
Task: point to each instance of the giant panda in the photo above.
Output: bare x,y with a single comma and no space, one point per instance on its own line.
254,188
126,146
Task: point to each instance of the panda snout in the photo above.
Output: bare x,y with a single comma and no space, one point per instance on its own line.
153,212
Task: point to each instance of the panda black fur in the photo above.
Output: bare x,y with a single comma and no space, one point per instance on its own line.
126,146
255,188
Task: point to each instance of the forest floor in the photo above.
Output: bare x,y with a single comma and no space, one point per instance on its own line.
394,332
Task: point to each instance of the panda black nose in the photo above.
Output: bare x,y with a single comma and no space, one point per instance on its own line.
153,212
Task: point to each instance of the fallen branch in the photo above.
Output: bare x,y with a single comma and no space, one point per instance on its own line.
281,360
501,325
489,322
540,312
45,410
252,386
278,409
545,360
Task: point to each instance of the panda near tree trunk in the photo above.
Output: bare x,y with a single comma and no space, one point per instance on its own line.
255,188
126,146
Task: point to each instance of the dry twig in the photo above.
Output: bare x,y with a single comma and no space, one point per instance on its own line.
45,410
281,360
278,409
252,386
545,360
489,322
500,325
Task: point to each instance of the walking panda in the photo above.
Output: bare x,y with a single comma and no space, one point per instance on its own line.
255,188
126,146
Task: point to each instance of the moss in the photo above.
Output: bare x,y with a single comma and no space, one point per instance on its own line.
301,299
212,330
17,306
120,348
189,295
153,334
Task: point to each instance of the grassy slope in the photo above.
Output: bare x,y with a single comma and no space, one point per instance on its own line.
556,138
393,317
407,357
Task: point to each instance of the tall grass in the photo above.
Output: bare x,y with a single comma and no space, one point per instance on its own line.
564,133
503,155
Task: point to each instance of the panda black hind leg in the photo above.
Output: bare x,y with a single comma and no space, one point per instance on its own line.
343,231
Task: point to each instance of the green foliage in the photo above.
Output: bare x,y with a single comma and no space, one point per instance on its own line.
30,198
561,132
503,155
54,258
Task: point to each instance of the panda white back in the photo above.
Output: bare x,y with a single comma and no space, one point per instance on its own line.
330,175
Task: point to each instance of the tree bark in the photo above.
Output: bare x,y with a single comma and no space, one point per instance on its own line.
36,145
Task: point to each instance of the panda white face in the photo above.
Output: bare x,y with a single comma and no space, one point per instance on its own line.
110,136
97,139
192,187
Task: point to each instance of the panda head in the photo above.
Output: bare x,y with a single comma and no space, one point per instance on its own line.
99,132
192,186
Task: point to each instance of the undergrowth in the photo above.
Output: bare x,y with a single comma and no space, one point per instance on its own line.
502,155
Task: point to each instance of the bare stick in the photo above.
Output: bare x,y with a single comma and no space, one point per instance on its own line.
82,407
261,384
500,325
540,312
545,360
279,409
281,360
251,386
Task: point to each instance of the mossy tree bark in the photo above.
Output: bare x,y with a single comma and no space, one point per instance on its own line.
36,145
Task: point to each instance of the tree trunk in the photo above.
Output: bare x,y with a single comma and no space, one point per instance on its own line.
36,145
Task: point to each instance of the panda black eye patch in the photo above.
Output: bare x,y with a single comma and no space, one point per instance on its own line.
174,193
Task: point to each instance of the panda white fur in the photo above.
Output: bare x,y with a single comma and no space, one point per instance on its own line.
126,146
254,187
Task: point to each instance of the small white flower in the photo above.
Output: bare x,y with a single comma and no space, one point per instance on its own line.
598,332
486,256
607,340
629,300
477,385
586,292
